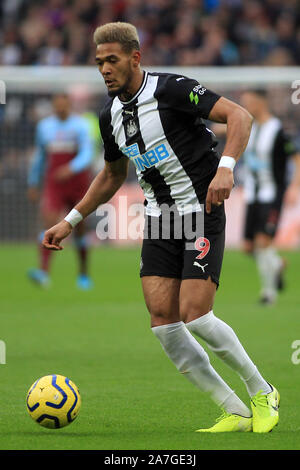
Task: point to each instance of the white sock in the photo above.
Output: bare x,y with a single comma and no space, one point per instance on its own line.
222,340
192,361
268,264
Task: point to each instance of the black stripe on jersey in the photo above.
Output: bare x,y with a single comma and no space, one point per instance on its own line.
161,189
111,149
185,144
283,148
132,128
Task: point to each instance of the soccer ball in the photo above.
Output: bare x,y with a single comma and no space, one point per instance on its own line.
53,401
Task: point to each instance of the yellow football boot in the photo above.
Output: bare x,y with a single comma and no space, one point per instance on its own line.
230,423
265,410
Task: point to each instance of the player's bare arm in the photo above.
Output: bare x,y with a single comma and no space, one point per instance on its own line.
292,192
102,189
239,123
104,186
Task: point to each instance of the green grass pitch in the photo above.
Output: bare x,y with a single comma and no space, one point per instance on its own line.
132,395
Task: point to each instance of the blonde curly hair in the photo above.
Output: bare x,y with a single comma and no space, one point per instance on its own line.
121,32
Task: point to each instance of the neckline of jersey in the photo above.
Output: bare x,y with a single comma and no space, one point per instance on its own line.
139,90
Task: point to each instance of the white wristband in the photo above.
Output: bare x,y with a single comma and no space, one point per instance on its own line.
73,217
227,162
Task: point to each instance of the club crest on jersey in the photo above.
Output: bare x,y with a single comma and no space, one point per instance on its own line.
131,128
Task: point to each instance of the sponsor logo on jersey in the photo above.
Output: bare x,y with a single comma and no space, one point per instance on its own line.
127,111
194,98
200,266
148,159
197,90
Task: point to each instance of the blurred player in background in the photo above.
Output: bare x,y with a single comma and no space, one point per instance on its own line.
82,103
59,177
265,185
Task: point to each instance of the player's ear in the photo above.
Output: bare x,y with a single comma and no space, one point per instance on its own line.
136,58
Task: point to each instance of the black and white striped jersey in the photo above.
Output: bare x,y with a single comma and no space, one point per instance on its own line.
162,132
265,159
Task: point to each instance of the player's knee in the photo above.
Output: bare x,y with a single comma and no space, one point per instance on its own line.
190,310
161,316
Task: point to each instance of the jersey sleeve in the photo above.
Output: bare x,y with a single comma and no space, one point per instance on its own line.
111,149
189,96
84,157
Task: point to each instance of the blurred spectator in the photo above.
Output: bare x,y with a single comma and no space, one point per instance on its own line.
172,32
53,52
11,53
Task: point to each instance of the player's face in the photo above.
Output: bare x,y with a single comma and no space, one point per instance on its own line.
61,106
117,67
251,102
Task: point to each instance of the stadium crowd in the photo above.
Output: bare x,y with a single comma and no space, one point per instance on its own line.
172,32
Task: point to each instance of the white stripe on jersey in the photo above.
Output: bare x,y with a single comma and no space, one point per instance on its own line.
259,153
181,187
116,122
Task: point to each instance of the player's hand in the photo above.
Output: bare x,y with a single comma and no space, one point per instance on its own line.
33,194
55,235
219,188
63,173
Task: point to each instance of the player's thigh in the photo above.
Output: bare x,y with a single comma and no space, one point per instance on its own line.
52,205
162,299
161,268
203,257
203,252
50,218
196,298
